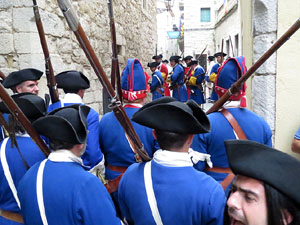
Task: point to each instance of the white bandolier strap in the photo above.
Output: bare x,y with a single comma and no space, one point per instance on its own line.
39,192
157,78
7,173
150,194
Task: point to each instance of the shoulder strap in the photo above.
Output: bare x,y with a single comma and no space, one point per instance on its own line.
157,79
150,194
7,173
236,127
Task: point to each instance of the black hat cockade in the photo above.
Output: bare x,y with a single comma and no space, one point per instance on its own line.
189,57
66,124
168,114
160,56
219,54
72,80
17,77
30,104
258,161
193,62
175,58
153,64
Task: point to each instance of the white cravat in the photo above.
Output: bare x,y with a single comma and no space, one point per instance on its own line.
64,155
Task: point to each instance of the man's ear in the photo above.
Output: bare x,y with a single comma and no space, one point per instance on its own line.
287,217
154,135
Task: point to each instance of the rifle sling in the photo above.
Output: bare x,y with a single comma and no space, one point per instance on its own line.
12,216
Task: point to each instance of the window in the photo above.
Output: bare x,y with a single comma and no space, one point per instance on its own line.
205,14
236,42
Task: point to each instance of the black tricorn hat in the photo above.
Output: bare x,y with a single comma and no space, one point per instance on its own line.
219,54
175,57
20,76
31,105
193,62
66,124
72,80
187,57
258,161
165,61
168,114
153,64
160,56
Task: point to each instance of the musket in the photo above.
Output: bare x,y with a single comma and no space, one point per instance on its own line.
222,54
237,85
231,46
19,115
116,106
115,69
201,53
2,119
51,82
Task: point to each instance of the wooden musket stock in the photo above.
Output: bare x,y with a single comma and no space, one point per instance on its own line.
51,82
118,110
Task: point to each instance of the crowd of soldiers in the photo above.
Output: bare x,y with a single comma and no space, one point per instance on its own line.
215,169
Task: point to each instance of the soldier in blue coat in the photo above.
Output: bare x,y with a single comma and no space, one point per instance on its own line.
214,72
195,82
168,190
177,80
74,84
59,190
157,83
254,127
113,141
17,153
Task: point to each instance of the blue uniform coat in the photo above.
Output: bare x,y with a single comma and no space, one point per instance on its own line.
183,196
157,83
32,154
71,196
196,92
254,127
93,155
214,70
177,78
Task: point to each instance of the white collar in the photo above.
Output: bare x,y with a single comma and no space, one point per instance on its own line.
72,98
232,104
136,105
22,135
64,155
172,159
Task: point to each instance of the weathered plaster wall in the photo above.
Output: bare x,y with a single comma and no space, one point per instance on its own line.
20,46
287,78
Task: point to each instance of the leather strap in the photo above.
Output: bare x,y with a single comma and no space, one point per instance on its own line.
218,169
236,127
16,217
228,179
120,169
112,185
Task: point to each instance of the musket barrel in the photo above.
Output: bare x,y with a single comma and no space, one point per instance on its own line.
69,14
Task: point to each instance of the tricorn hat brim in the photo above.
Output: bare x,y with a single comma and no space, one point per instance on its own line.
258,161
17,77
170,115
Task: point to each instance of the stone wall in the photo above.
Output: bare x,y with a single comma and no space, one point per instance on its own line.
20,45
263,83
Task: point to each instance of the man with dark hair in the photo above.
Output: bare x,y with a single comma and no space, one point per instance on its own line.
58,190
187,60
157,83
177,79
17,153
74,84
163,68
25,80
168,190
265,190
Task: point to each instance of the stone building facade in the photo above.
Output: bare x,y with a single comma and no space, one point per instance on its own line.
20,45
